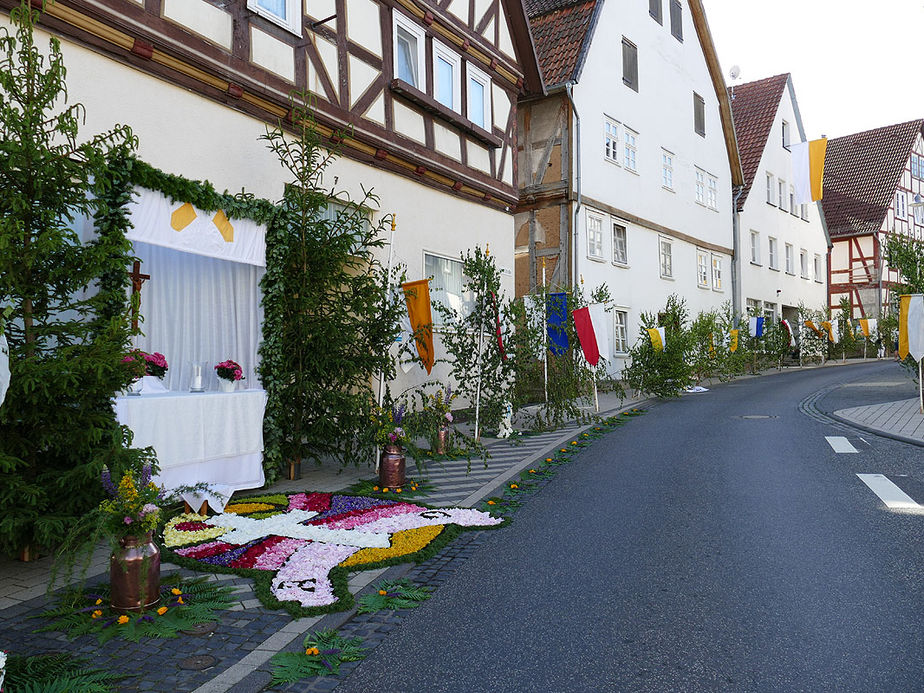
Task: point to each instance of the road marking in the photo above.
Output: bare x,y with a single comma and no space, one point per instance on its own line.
889,493
840,444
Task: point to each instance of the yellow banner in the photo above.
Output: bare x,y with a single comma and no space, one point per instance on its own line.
817,150
904,302
733,340
826,326
417,298
864,327
657,337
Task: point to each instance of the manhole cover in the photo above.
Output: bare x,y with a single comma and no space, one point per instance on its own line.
198,662
758,416
200,629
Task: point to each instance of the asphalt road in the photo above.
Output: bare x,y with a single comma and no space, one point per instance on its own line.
693,550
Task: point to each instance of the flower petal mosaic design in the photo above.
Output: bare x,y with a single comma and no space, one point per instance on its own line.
308,541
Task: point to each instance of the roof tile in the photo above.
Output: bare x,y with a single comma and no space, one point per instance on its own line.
560,29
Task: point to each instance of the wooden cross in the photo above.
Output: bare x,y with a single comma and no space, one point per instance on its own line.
137,280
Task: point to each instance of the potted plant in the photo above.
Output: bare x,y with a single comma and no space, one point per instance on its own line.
144,364
440,405
392,437
129,517
229,372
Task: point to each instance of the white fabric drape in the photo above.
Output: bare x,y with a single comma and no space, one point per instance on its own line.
197,308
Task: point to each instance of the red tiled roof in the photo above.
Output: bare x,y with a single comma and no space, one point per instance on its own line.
560,30
861,175
754,106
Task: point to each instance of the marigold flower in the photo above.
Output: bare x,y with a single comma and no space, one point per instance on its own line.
179,600
397,490
312,651
548,459
123,620
491,503
385,490
532,471
383,592
574,442
96,614
514,486
99,601
375,488
564,449
176,591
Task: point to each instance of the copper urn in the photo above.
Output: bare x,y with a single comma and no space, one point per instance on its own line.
442,440
391,467
134,574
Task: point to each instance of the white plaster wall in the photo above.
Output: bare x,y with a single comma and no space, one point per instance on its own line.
758,281
182,133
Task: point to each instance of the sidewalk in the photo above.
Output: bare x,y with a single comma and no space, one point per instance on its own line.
901,420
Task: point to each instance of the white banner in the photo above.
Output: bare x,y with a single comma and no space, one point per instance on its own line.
181,226
916,326
598,318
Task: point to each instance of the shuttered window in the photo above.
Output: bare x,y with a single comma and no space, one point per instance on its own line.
699,114
677,20
654,9
629,64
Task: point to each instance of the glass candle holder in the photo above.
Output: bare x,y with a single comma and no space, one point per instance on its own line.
197,376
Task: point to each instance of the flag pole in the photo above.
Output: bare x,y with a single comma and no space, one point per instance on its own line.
391,249
487,252
920,388
545,344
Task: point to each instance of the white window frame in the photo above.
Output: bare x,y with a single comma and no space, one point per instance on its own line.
291,22
781,197
666,269
700,186
792,201
786,134
772,253
755,247
716,272
803,262
702,268
615,225
753,307
441,52
473,74
594,236
771,190
620,331
418,33
790,260
466,301
769,312
667,169
918,215
630,149
901,204
611,140
803,212
712,192
819,270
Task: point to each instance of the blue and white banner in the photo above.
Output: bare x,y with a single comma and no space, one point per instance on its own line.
756,327
556,308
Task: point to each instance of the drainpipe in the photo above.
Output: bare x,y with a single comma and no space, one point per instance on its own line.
577,207
736,249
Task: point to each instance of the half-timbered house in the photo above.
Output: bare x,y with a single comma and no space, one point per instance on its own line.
873,187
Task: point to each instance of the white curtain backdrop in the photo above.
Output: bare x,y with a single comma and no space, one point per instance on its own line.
197,308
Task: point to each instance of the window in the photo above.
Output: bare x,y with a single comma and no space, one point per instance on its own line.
676,20
781,197
594,236
701,186
755,247
716,273
620,325
620,256
611,139
819,269
753,307
702,268
667,269
654,9
631,142
769,311
792,201
285,13
901,204
629,64
699,114
803,263
918,215
785,135
713,200
409,54
447,284
772,254
447,77
917,166
667,169
771,190
790,267
804,211
479,96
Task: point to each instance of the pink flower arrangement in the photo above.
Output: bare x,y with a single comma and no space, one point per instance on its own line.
230,370
154,364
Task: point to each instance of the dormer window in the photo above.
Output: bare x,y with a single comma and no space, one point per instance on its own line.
285,13
409,52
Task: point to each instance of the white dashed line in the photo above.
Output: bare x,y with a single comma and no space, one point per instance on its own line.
889,493
840,444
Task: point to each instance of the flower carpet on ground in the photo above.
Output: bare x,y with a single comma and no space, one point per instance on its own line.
299,547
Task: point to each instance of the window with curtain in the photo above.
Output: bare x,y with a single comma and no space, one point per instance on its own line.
277,7
406,48
667,268
446,285
447,77
620,324
631,150
702,268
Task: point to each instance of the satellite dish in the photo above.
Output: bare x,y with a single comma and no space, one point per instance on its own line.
734,72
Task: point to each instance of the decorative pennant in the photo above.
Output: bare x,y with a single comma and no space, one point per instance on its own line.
658,338
417,298
733,341
556,315
586,335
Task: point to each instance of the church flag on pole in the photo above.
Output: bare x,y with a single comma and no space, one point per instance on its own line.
417,298
868,326
556,315
756,327
814,328
586,335
733,340
658,338
831,329
911,326
808,169
788,328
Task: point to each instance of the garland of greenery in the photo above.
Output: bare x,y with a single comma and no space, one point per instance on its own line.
325,651
338,575
393,595
183,604
56,673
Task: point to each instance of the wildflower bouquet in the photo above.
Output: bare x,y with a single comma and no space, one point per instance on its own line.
133,506
440,402
154,364
388,425
229,370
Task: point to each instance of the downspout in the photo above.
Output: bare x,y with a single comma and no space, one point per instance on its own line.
577,207
736,250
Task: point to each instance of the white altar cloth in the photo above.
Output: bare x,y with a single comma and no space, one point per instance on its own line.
210,437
